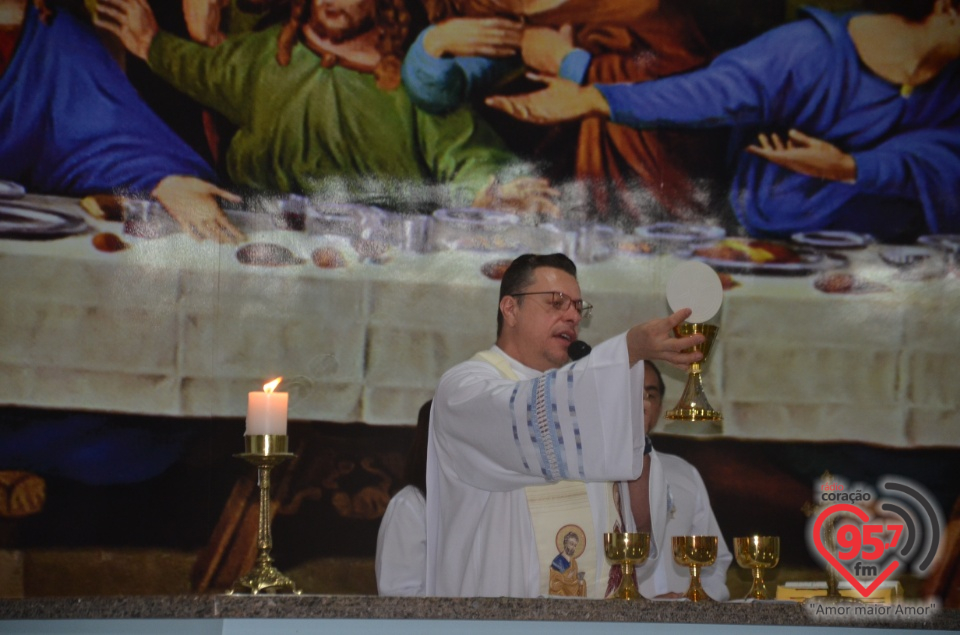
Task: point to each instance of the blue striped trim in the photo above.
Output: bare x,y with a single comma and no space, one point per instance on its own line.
572,409
554,428
532,427
544,431
516,425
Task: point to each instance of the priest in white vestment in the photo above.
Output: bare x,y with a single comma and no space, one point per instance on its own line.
520,416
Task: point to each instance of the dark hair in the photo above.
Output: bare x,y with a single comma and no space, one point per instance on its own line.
656,371
911,10
416,470
519,275
392,21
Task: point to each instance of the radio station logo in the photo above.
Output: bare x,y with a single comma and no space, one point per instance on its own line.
871,536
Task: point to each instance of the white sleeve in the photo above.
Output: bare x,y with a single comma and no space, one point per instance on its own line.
583,421
401,558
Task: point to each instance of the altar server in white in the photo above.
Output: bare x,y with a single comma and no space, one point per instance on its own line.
670,499
525,446
401,559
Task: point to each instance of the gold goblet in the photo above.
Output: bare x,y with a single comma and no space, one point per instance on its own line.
693,404
628,550
695,552
757,553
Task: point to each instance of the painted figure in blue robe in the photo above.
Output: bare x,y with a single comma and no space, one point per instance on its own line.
75,126
843,122
627,176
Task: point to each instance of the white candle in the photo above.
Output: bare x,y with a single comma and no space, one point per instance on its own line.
267,410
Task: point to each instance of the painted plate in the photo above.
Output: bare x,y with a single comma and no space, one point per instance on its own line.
11,190
27,222
811,262
680,232
833,239
947,242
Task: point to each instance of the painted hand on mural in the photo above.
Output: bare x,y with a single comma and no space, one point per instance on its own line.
132,21
193,204
561,100
524,195
543,48
807,155
21,494
474,37
203,21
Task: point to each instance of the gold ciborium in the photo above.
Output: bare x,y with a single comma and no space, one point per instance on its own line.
628,550
265,451
695,552
757,553
693,404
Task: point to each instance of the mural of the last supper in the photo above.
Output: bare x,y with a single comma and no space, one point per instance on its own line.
198,197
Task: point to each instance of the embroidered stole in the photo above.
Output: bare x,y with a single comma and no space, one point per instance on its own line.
567,541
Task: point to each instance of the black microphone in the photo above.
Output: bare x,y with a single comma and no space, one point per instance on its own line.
578,349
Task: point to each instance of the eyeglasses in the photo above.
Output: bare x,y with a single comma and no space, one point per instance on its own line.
561,302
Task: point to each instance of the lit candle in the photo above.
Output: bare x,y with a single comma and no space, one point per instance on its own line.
267,410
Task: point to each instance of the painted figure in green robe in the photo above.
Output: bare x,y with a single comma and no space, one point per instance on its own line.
319,107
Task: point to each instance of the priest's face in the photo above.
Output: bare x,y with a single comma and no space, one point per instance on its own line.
652,398
342,20
539,332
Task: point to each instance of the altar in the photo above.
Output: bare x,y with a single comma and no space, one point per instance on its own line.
358,615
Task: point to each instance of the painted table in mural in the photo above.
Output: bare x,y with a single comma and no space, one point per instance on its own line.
362,330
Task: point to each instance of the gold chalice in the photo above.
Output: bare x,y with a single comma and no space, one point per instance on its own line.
693,404
757,553
628,550
695,552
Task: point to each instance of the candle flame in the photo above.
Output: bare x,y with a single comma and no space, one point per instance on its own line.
268,387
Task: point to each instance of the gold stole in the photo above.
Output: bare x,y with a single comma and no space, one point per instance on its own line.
563,526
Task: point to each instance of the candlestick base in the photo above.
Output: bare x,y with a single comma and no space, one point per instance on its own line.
264,577
265,451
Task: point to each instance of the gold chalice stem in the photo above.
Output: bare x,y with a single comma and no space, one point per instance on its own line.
758,591
628,587
696,593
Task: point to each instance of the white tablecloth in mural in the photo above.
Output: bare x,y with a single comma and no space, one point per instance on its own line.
171,326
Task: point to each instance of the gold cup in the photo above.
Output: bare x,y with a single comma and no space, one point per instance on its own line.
757,553
628,550
695,552
693,404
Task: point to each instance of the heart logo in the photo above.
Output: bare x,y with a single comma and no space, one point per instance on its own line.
864,591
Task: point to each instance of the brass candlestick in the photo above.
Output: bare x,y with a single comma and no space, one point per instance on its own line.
264,451
829,537
693,405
